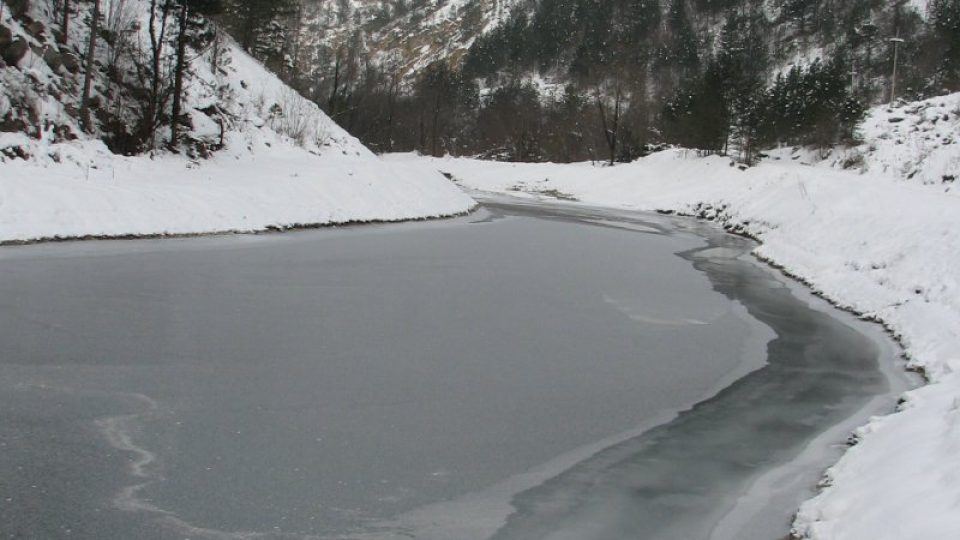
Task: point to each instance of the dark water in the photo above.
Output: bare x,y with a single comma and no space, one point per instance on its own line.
371,382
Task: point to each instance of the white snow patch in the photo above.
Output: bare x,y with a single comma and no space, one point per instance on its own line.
259,182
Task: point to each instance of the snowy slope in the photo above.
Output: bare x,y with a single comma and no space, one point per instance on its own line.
409,39
873,243
284,164
259,182
915,142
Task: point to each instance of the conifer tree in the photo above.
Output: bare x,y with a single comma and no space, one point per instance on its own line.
945,19
683,46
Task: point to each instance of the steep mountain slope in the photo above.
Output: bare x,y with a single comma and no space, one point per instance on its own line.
407,36
254,154
568,80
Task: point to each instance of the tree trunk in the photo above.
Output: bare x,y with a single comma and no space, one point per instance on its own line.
435,128
610,129
65,25
297,38
332,102
179,74
391,111
86,124
157,37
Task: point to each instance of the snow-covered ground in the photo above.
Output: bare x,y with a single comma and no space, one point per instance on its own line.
284,164
259,182
869,241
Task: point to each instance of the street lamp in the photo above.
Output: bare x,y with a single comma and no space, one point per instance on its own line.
896,54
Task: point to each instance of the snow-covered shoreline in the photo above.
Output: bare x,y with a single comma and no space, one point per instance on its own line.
260,182
875,245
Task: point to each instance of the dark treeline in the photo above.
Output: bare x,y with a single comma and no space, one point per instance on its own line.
634,75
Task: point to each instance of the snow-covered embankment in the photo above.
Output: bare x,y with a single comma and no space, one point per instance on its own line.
284,163
260,182
880,245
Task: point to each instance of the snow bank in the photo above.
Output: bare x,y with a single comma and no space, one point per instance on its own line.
886,248
259,182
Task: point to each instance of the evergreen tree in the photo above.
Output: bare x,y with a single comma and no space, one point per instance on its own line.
698,116
741,65
637,20
507,45
945,19
810,106
683,48
510,123
553,29
801,12
446,99
594,51
565,136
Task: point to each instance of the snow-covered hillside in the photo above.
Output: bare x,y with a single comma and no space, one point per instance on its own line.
917,142
877,244
283,162
407,36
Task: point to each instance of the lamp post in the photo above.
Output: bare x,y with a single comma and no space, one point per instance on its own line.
896,56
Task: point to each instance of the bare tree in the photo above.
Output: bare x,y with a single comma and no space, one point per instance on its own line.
610,121
178,74
120,26
157,27
88,76
65,24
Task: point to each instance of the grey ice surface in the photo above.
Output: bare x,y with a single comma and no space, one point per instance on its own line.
325,383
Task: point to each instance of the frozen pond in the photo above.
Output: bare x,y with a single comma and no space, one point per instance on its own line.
492,376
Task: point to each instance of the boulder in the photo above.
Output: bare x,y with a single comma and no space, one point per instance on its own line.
14,52
70,62
36,29
6,36
53,59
